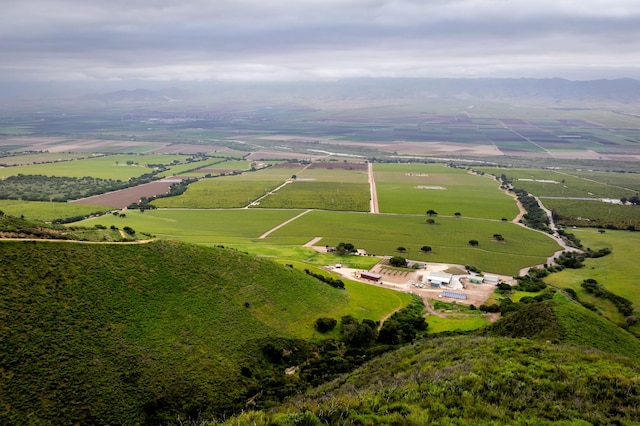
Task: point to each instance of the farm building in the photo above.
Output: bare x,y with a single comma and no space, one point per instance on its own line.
475,280
459,296
370,276
440,278
491,280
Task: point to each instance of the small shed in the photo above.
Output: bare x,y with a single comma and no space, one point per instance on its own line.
475,280
441,278
370,276
491,280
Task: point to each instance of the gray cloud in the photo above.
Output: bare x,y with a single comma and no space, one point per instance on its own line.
318,39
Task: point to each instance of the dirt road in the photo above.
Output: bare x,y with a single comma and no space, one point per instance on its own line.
372,189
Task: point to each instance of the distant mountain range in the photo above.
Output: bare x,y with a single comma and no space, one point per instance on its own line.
546,92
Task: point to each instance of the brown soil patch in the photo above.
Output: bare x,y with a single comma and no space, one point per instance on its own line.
124,197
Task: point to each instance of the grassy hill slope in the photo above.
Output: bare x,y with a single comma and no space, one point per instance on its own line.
473,380
125,334
567,322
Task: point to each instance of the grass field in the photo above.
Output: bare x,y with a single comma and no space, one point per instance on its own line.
594,213
200,226
45,211
222,192
382,234
416,188
618,272
40,157
320,195
104,167
566,184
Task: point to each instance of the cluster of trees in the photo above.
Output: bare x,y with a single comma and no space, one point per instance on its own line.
336,283
575,260
398,261
507,306
535,217
624,306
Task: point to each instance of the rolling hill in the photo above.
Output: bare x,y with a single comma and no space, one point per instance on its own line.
126,334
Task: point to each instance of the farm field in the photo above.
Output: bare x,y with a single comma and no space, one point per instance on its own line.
448,237
416,188
179,169
40,157
551,183
241,226
344,196
48,212
125,197
617,272
221,192
104,167
594,213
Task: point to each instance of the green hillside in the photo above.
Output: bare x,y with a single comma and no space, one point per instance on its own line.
569,323
473,380
125,334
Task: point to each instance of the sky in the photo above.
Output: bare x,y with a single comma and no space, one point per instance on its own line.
283,40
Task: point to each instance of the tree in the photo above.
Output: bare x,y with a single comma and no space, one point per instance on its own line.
398,261
325,324
425,249
345,248
473,243
432,213
401,249
498,237
294,177
431,221
457,214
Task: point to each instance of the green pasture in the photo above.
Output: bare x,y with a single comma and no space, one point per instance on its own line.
335,175
343,196
215,193
618,272
563,184
413,189
39,157
594,213
179,169
46,211
365,301
239,226
458,322
629,181
284,252
104,167
448,238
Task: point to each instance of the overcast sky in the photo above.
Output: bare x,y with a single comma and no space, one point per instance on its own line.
317,39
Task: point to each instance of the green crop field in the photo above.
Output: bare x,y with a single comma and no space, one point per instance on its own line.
45,211
215,193
448,237
594,213
564,184
40,157
416,188
240,226
179,169
104,167
320,195
334,175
